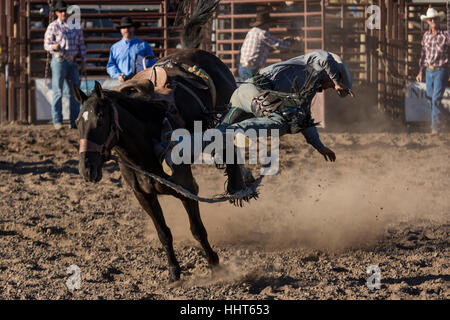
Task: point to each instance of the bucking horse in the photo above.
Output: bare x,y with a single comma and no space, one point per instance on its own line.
186,86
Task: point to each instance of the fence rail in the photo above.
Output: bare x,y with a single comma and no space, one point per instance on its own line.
384,58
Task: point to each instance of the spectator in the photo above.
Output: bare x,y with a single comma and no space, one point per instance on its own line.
434,57
65,43
126,55
257,44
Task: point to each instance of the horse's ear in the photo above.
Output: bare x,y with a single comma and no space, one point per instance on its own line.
79,94
98,90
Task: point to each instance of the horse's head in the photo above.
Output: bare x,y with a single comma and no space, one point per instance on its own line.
99,128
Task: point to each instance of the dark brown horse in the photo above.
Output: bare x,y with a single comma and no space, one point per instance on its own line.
131,124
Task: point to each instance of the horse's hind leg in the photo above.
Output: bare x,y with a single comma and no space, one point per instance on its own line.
198,230
150,203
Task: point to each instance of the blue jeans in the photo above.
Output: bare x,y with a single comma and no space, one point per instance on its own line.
245,72
242,99
64,70
436,84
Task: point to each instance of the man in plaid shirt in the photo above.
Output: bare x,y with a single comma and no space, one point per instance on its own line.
434,57
65,43
257,44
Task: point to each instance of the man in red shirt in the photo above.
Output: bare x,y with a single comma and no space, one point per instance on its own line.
64,42
434,57
258,43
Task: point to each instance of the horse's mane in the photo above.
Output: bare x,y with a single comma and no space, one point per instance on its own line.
142,107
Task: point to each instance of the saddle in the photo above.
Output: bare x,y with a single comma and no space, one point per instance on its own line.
160,82
163,75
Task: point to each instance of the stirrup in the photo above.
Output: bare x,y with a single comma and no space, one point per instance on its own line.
162,152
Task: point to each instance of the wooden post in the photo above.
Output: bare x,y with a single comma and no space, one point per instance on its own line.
233,60
31,112
381,68
11,33
165,26
3,61
21,59
322,7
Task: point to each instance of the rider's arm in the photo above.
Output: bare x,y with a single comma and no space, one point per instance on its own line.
312,137
274,42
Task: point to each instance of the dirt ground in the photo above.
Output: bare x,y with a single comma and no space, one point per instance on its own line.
313,234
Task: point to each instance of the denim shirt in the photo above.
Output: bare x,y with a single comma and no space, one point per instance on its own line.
291,75
123,54
300,73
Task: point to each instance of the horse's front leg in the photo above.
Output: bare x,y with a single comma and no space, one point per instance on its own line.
199,232
151,204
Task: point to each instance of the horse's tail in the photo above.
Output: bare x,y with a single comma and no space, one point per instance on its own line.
203,10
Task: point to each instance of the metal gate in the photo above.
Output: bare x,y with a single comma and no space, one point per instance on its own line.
382,59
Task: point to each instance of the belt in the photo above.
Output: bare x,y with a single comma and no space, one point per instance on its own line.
67,58
245,65
432,68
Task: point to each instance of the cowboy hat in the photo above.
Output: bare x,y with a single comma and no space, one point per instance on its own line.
262,17
60,6
126,22
346,76
432,13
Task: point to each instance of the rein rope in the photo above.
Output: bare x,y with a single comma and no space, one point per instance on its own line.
248,192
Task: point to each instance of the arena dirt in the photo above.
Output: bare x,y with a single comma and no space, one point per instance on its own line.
314,232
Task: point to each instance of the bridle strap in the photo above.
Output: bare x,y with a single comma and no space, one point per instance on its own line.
105,148
86,145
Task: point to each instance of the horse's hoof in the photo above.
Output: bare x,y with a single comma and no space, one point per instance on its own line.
213,260
174,274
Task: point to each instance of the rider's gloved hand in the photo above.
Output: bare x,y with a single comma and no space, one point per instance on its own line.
327,153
